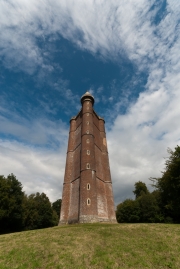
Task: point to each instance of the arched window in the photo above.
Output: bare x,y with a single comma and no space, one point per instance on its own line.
88,201
88,166
88,186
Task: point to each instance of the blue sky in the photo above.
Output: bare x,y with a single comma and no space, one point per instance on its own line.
126,53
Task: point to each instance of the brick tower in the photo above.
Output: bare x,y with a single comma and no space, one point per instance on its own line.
87,189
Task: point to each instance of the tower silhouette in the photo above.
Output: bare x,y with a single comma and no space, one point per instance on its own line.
87,190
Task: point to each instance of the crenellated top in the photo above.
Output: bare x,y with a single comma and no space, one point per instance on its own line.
87,97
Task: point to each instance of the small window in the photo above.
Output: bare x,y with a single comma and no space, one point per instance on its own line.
88,166
87,114
87,132
87,141
87,122
88,152
87,108
88,201
88,186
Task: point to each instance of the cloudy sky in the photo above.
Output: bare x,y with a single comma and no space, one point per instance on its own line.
125,52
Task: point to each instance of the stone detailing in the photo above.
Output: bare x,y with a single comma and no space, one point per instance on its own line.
87,190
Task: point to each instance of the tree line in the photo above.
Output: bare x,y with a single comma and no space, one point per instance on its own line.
161,205
19,211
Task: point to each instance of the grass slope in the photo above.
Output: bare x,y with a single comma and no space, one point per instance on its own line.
93,246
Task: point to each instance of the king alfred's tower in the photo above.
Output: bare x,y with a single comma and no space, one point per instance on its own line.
87,189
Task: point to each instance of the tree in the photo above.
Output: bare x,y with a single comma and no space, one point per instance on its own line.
38,212
57,207
128,211
145,208
149,208
140,188
169,185
11,203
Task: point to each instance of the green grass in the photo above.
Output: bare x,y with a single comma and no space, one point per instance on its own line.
93,246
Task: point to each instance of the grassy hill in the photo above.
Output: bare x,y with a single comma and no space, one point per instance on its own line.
93,246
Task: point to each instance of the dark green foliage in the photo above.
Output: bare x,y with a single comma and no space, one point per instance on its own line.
143,209
128,211
149,208
38,212
55,218
163,204
21,212
57,207
140,189
11,204
169,186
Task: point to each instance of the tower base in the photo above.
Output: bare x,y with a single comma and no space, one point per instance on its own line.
88,219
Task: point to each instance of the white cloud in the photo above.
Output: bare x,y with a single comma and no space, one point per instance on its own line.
111,28
35,153
138,139
97,26
38,169
38,131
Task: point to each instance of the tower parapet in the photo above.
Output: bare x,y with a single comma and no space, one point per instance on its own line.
87,189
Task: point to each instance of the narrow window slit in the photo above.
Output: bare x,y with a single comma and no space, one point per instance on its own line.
88,166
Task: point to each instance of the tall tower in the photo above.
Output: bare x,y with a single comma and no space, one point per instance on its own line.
87,189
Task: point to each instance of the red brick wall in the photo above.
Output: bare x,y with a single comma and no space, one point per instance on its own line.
74,202
70,197
87,191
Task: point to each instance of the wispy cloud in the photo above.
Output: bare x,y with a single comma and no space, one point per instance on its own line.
39,131
35,152
38,169
138,140
114,30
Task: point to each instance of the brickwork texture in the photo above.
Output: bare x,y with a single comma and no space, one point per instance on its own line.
87,190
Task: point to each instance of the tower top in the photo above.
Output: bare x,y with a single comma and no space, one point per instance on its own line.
87,96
